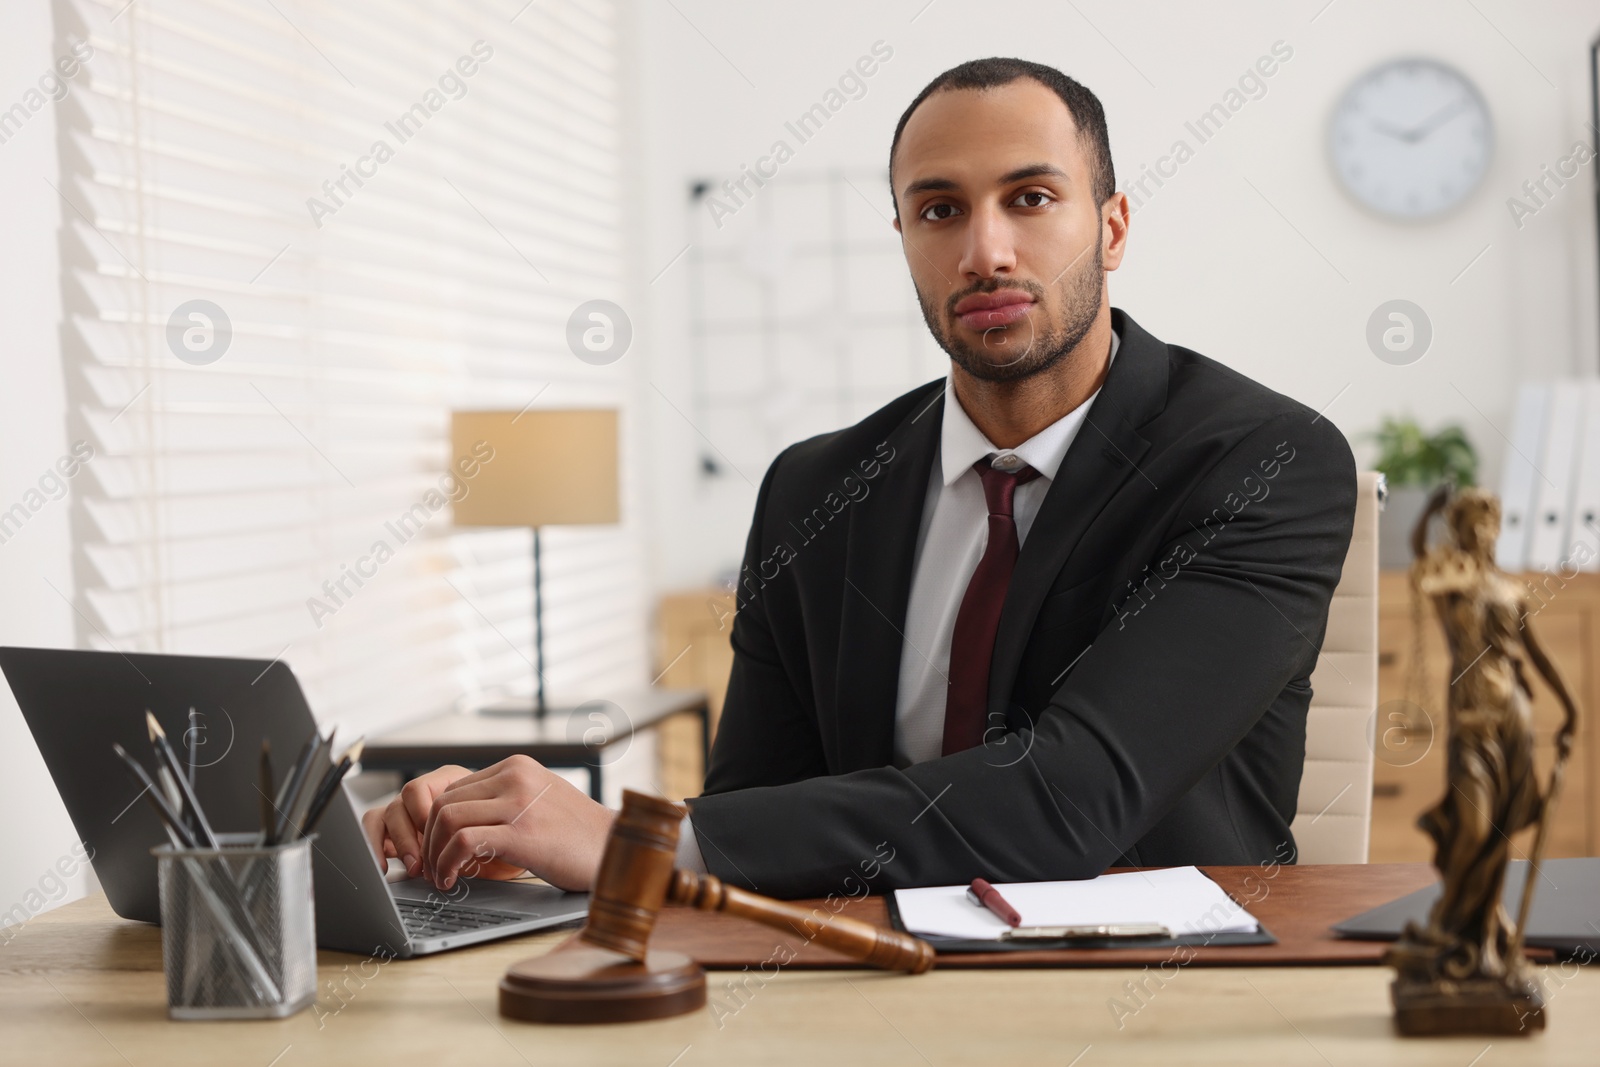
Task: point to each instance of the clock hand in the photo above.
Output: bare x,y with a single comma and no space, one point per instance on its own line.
1434,121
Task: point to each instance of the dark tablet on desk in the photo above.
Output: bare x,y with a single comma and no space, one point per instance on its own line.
1565,915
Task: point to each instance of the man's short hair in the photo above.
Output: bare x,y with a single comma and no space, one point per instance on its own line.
1084,106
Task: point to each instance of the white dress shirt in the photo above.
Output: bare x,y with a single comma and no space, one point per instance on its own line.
953,535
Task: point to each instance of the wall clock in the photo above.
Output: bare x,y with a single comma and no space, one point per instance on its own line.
1411,138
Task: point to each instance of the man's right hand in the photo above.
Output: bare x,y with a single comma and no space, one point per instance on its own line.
397,829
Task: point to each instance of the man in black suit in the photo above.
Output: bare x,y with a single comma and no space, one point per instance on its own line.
1054,613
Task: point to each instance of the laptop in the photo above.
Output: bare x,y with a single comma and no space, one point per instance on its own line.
1565,915
77,703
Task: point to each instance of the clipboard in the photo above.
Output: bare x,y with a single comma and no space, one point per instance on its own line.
942,945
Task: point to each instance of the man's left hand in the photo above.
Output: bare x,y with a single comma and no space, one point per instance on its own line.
517,812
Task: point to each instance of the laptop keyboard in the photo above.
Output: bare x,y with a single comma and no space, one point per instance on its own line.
441,919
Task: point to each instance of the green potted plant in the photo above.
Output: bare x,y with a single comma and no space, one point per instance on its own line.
1414,464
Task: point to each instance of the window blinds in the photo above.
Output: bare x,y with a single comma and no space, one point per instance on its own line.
229,154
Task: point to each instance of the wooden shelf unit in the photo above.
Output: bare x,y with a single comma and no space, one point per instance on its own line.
692,650
1409,772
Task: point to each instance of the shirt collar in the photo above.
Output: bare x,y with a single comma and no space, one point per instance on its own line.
961,443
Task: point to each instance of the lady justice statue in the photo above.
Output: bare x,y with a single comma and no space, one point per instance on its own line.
1465,972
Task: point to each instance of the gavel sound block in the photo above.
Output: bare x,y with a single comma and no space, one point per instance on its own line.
608,973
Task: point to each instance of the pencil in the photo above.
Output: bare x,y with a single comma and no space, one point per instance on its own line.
282,798
164,753
288,791
169,788
169,818
191,740
300,797
264,786
330,783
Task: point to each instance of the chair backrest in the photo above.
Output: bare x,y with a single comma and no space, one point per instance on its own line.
1333,819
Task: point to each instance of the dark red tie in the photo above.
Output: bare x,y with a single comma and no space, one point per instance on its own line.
972,643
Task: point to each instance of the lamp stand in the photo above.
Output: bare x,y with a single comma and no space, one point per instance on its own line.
538,632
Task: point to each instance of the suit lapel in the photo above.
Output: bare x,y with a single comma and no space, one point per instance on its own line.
879,556
1102,458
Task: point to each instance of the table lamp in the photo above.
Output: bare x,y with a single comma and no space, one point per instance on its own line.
548,468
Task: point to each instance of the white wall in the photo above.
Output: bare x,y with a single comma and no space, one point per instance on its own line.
1210,265
35,833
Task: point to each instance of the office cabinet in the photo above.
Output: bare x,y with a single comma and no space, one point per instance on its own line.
1410,727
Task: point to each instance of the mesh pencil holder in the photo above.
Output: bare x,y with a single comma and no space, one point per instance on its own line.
238,929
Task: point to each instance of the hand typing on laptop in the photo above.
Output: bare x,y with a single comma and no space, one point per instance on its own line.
499,822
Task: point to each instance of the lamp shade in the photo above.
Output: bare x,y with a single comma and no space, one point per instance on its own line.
546,468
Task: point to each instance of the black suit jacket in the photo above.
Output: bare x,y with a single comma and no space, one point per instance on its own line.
1150,679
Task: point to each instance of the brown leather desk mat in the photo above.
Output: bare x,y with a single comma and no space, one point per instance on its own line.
1297,904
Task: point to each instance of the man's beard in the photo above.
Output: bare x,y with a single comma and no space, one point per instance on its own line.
1011,353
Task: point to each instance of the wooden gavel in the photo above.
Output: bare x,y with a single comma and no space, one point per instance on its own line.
637,877
609,973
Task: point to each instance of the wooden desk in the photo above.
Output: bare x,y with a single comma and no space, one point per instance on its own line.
79,986
565,737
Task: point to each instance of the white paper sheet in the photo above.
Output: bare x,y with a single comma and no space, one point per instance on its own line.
1179,898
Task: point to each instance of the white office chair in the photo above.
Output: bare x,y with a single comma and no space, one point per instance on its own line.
1333,819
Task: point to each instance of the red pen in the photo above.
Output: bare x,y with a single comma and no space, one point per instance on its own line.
985,895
